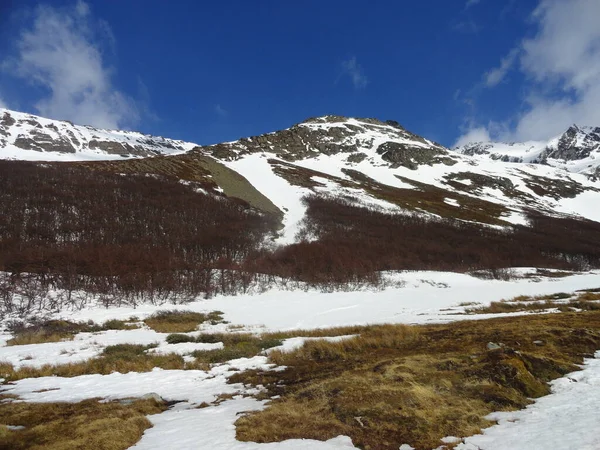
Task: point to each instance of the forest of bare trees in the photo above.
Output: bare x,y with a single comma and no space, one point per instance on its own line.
143,238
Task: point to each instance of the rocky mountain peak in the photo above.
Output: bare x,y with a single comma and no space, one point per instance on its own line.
576,150
26,136
333,135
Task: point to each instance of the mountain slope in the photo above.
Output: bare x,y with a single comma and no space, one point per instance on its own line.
576,150
331,201
367,161
28,137
382,165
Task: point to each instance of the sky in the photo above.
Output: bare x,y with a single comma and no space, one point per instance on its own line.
451,70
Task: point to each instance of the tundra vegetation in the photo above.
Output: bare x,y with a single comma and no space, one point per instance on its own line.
382,385
395,384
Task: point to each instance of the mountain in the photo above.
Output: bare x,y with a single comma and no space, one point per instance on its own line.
331,201
576,150
365,161
28,137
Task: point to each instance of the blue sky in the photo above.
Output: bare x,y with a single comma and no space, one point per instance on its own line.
215,71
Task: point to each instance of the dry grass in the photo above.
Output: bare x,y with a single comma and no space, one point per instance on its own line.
86,425
58,330
121,358
585,301
181,321
237,345
247,345
415,385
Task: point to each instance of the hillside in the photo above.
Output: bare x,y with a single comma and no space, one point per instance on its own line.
329,201
318,287
33,138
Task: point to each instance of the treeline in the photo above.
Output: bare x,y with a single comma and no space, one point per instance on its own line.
68,234
343,240
136,236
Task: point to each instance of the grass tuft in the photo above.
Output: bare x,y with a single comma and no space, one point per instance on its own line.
121,358
181,321
237,345
42,331
85,425
585,301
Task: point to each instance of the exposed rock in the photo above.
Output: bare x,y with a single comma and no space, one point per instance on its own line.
42,142
7,120
118,148
331,135
150,396
576,143
411,156
478,181
25,131
492,346
356,158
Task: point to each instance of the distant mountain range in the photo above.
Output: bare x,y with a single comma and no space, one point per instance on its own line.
576,150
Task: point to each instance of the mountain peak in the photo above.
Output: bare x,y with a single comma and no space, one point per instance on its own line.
336,119
30,137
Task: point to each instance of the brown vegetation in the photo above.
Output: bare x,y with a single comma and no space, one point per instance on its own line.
80,230
127,238
90,424
355,242
121,358
40,331
416,384
586,301
181,321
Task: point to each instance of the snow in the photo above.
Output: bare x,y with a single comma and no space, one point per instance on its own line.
292,344
257,170
213,428
83,347
584,204
415,297
561,420
452,202
568,418
79,136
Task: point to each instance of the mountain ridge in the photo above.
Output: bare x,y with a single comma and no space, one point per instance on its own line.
375,163
29,137
575,150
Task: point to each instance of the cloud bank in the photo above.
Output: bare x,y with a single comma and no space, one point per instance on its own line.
561,63
62,51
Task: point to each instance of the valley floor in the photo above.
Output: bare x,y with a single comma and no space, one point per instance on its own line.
205,404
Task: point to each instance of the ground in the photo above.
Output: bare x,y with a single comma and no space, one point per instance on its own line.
202,399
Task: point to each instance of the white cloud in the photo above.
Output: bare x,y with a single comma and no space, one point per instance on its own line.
222,112
561,64
3,104
471,3
476,134
497,75
62,52
352,69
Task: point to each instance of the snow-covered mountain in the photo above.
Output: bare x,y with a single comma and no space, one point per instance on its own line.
382,165
576,150
365,161
28,137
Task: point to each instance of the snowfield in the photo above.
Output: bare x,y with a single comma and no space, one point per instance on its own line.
565,419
